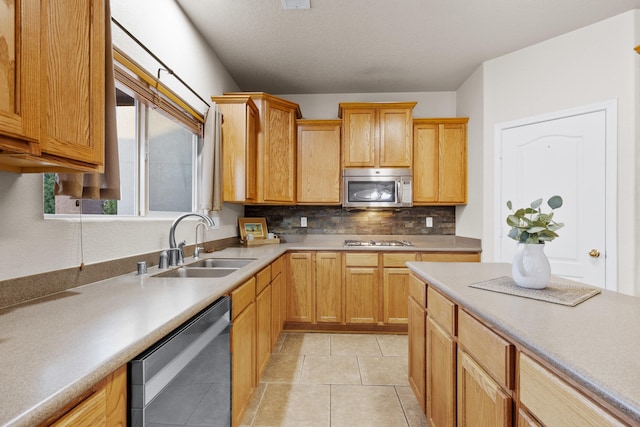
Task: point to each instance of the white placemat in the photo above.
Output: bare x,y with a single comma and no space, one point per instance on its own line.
556,293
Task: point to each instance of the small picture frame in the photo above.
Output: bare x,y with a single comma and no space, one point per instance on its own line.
253,226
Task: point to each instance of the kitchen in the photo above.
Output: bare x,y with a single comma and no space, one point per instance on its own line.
536,86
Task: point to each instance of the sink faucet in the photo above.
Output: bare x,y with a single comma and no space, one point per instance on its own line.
176,254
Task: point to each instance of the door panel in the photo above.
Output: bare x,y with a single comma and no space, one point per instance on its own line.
564,156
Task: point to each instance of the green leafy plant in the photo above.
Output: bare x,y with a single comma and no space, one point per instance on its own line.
531,225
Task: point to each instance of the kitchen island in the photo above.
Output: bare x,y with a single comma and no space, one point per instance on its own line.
592,347
55,348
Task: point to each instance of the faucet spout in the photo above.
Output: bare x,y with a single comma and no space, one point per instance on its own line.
172,231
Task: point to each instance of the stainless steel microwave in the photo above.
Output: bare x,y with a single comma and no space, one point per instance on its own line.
376,188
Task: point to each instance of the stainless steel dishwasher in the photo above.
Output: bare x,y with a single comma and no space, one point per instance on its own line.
185,379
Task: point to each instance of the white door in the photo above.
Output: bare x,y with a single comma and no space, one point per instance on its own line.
563,156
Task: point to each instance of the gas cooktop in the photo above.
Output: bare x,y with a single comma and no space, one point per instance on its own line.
377,243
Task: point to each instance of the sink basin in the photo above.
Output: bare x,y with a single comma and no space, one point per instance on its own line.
221,262
197,272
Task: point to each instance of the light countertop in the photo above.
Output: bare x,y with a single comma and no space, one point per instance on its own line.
54,348
596,343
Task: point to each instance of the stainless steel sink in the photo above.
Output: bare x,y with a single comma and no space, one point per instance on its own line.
213,272
221,262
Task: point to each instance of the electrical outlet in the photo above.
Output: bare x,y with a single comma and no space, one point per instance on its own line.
429,222
303,221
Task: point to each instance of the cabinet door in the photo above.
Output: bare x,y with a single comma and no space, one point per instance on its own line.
19,76
105,407
276,311
329,306
300,288
417,349
396,135
554,402
362,295
441,376
452,154
425,157
319,169
395,294
72,47
263,330
239,120
359,136
277,174
440,161
243,366
481,401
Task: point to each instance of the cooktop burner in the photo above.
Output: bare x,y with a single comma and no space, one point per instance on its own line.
377,243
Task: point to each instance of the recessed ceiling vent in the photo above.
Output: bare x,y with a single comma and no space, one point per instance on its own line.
296,4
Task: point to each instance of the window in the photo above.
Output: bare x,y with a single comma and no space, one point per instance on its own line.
158,150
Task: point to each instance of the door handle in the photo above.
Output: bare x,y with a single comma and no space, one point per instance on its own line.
594,253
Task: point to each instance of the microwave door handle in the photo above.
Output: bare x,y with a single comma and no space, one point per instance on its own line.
399,191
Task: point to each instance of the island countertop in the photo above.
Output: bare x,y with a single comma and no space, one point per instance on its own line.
596,343
54,348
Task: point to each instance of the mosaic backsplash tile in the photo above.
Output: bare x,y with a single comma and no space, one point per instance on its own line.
335,220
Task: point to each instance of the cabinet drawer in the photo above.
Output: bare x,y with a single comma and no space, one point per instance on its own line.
441,310
242,296
493,353
450,257
361,260
397,259
418,290
92,411
556,403
263,278
276,267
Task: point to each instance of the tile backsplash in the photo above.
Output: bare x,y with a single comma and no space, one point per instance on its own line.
336,220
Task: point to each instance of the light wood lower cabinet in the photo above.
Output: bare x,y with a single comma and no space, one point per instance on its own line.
277,289
243,348
481,400
328,287
471,375
300,282
263,320
395,284
553,402
362,288
417,308
106,406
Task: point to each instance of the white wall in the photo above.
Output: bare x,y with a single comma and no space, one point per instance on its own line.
30,244
590,65
325,106
470,103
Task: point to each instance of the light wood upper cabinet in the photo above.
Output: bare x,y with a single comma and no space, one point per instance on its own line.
239,145
19,77
440,161
377,134
276,153
318,166
52,115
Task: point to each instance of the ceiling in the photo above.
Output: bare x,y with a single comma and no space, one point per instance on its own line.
369,46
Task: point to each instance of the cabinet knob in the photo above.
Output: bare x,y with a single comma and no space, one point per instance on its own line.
594,253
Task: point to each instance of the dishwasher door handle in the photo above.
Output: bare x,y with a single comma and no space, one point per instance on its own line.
159,381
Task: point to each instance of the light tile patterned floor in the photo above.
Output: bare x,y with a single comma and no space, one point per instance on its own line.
336,380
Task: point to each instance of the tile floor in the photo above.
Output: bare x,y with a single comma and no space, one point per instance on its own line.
336,380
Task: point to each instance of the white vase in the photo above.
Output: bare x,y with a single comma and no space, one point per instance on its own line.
530,267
